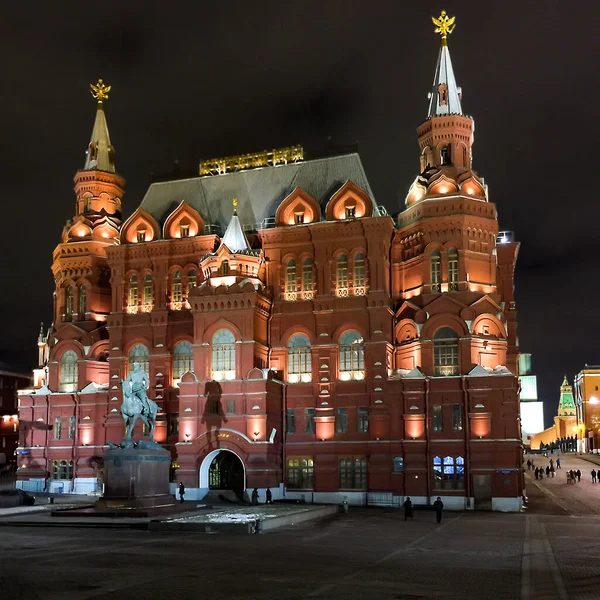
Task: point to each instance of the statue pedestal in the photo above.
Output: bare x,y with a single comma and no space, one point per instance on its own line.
136,478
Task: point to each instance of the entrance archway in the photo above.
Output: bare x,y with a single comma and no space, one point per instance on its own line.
223,470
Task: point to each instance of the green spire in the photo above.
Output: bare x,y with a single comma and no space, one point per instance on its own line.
566,404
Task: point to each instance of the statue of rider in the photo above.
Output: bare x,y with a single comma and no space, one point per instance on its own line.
140,382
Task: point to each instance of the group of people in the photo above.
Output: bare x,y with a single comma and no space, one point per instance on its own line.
438,506
550,469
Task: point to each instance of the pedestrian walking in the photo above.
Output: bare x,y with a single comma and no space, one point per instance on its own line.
529,465
255,497
408,509
537,472
578,475
181,491
551,464
439,506
558,463
547,471
552,470
269,496
593,476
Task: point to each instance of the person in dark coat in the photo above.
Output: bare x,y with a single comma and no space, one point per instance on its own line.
255,497
578,475
181,491
439,506
593,476
408,509
269,497
537,473
529,465
548,471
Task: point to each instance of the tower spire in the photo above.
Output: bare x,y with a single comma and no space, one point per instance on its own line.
100,154
235,238
445,95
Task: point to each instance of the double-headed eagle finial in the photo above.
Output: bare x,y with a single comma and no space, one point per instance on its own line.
444,25
235,205
100,91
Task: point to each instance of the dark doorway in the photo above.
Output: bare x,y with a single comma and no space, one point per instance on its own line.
482,492
226,472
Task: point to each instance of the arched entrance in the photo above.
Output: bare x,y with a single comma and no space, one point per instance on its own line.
223,470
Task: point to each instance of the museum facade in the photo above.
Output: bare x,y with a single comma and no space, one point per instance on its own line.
296,336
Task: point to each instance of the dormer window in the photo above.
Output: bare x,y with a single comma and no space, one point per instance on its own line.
299,217
184,231
445,155
141,235
443,94
225,268
350,212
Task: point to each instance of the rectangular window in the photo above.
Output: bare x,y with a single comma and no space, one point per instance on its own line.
353,473
173,423
457,417
62,469
72,425
57,428
309,420
299,471
341,421
290,421
363,420
398,464
231,407
448,473
438,418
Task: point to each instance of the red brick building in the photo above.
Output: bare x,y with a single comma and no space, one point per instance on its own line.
10,382
298,338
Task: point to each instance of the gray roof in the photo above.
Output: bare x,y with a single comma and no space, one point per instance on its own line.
259,191
444,74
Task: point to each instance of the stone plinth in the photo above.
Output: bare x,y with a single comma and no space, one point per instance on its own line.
136,478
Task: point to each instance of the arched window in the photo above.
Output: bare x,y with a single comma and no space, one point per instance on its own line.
183,360
223,355
132,294
445,352
359,274
148,299
352,356
445,155
290,280
299,362
139,353
82,301
69,300
465,157
68,372
307,277
191,280
177,295
342,275
452,270
436,271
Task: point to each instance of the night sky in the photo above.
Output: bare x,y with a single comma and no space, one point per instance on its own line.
206,79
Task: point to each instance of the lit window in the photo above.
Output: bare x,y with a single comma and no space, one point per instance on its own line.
350,212
62,469
363,420
290,280
82,301
183,360
452,270
353,473
148,299
341,420
307,276
139,353
299,217
448,473
177,293
438,418
352,358
299,472
359,273
132,294
223,355
309,421
184,231
69,299
299,359
57,429
445,352
68,372
436,271
342,275
398,464
141,235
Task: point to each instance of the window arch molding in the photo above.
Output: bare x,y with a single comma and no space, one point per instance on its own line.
446,361
351,359
138,351
296,201
299,358
349,194
68,368
140,220
435,322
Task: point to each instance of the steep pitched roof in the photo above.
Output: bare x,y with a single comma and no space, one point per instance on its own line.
444,80
235,239
260,191
566,402
101,159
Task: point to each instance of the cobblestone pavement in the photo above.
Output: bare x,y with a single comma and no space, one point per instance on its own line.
551,552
